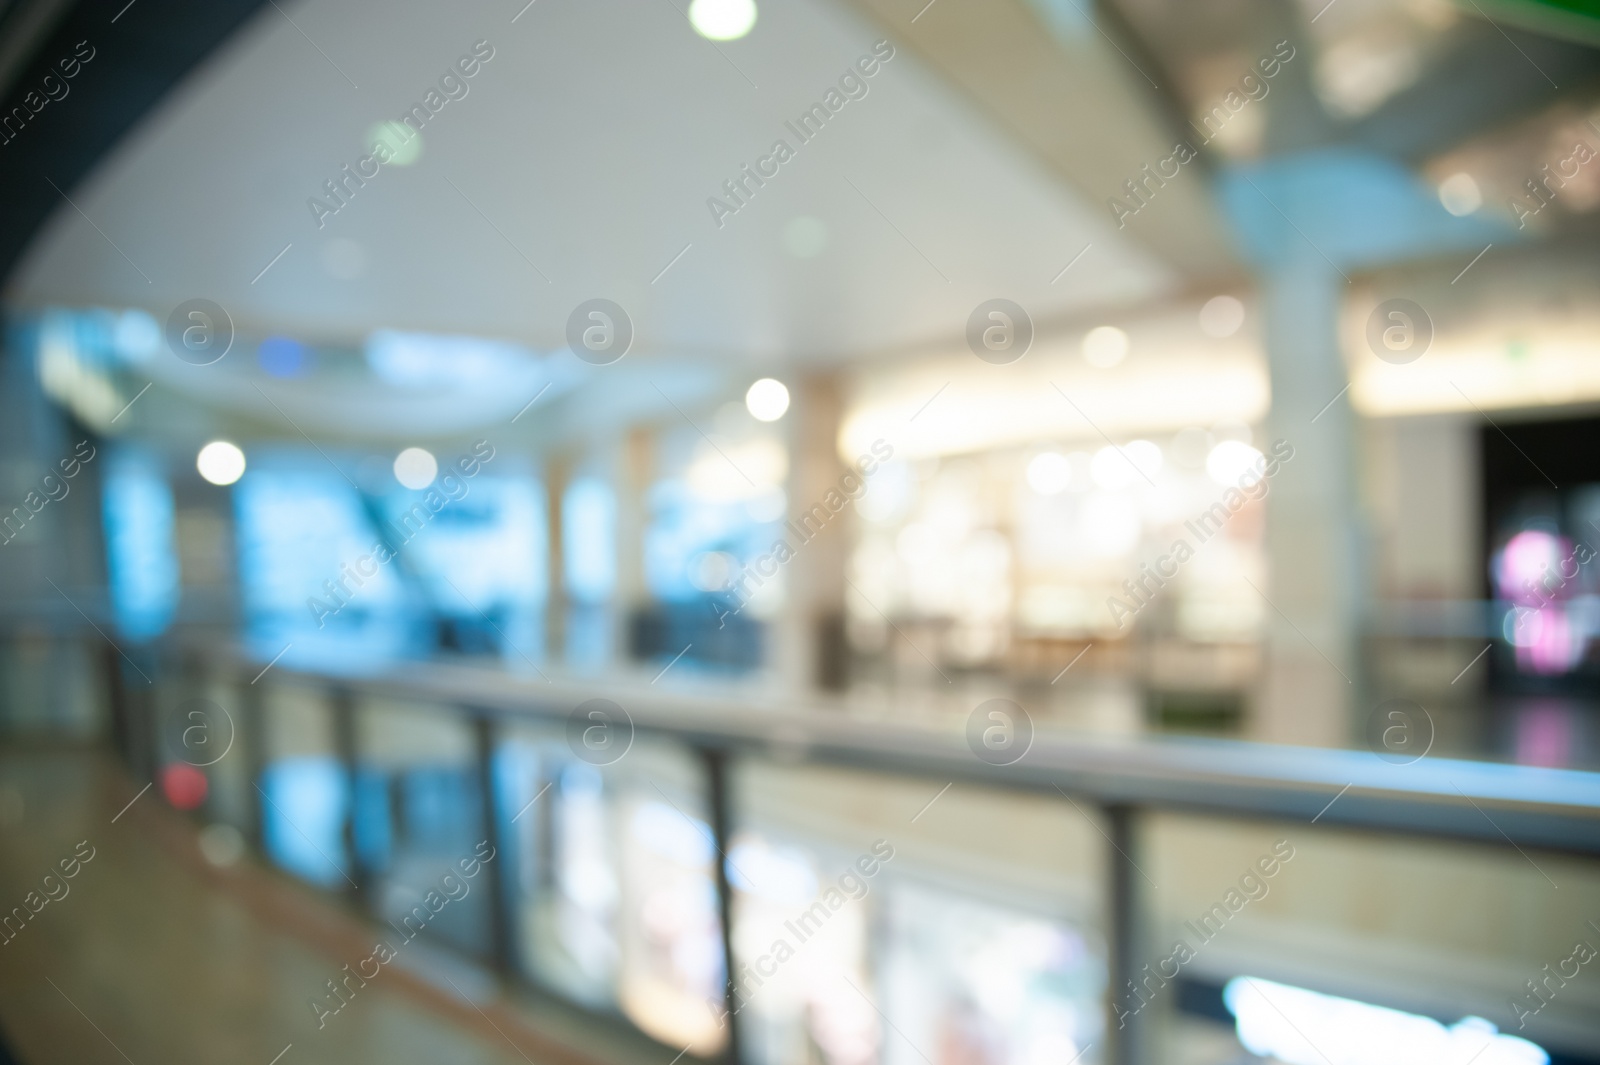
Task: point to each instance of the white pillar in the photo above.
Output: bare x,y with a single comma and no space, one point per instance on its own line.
807,637
1314,583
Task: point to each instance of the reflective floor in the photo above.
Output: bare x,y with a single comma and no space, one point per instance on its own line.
144,929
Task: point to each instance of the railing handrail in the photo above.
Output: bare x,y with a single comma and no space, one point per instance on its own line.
1551,809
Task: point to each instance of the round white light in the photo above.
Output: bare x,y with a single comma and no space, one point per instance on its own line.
220,462
1146,454
415,467
767,399
1114,468
1105,346
722,20
1232,461
221,844
1109,469
1460,194
1050,473
710,571
1221,316
404,144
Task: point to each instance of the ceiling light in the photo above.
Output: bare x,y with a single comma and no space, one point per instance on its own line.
220,462
415,467
1105,346
710,571
1233,460
722,20
1111,469
1050,473
767,399
1146,454
1460,194
403,142
1115,468
1221,316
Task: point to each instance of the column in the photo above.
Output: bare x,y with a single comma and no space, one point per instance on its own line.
1313,584
808,649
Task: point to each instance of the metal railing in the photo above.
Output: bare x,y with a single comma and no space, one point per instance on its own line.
1497,806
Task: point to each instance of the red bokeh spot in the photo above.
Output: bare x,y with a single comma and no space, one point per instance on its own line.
184,785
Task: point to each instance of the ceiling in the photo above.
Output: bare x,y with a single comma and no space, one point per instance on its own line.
582,160
579,165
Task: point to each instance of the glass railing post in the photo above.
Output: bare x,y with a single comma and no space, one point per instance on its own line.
346,743
502,921
716,765
149,720
1124,1028
253,730
117,702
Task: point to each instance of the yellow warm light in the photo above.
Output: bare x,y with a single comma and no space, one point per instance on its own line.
1053,400
1479,376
